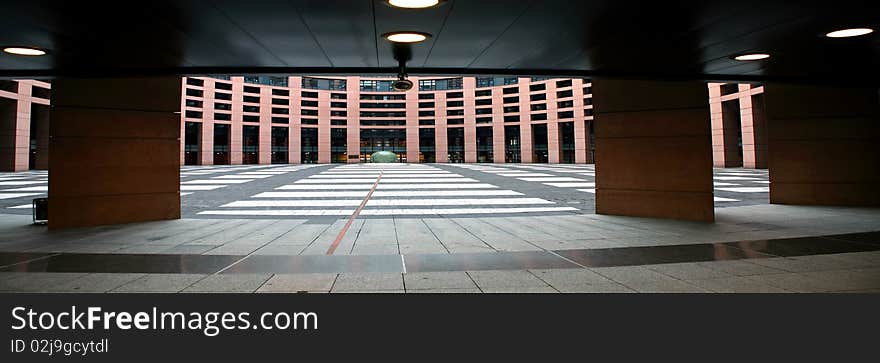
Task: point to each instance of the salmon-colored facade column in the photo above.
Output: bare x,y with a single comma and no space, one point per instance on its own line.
235,130
754,127
441,152
353,123
470,123
823,145
323,127
115,151
264,150
497,126
655,152
206,141
412,123
294,140
580,131
527,150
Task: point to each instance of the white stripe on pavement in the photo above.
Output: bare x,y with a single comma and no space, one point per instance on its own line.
406,193
384,202
431,211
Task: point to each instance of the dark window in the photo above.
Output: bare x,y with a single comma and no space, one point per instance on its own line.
514,99
40,92
280,92
563,94
338,113
537,87
195,82
510,90
454,112
250,89
193,103
483,102
455,95
538,97
375,86
426,96
588,90
338,122
483,111
383,105
511,109
426,113
223,96
383,97
588,101
588,112
193,114
250,118
280,111
222,116
383,114
539,116
309,112
511,118
309,121
307,103
383,122
338,104
729,88
483,93
251,99
251,108
279,101
426,122
455,121
565,104
223,106
307,94
454,103
338,96
539,107
510,80
223,86
194,92
426,104
563,83
280,120
484,120
565,114
485,82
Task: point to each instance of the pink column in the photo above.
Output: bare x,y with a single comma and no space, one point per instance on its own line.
323,127
353,124
717,121
525,120
23,127
442,143
182,144
554,141
235,142
294,141
470,126
497,125
412,123
580,126
264,151
206,141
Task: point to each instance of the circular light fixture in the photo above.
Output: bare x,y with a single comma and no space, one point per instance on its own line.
846,33
24,51
413,4
406,37
751,57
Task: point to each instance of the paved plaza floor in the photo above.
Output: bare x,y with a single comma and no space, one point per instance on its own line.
437,228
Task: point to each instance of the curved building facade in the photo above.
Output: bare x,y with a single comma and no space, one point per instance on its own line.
263,120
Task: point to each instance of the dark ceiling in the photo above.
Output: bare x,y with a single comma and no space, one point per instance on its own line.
615,38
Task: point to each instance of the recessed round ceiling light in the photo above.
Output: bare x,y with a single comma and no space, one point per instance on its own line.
24,51
413,4
846,33
751,56
406,37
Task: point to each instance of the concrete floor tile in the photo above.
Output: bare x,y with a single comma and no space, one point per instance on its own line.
520,290
160,283
631,274
741,268
368,282
570,277
736,284
688,271
37,281
667,286
295,283
96,282
444,291
489,280
602,288
438,280
229,283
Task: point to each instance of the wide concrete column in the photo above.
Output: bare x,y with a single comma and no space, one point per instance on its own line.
654,154
823,145
115,151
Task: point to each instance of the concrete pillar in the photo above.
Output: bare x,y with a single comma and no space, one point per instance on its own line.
525,121
352,119
823,145
323,127
40,126
9,129
294,145
115,151
264,150
754,129
235,128
655,152
554,142
206,141
470,123
412,123
441,130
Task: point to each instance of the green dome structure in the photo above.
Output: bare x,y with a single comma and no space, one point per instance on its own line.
383,157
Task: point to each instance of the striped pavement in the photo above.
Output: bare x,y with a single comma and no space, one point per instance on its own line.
397,190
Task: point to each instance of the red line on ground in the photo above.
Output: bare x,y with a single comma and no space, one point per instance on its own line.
354,215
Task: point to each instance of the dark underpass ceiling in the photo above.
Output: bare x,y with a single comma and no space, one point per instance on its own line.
621,38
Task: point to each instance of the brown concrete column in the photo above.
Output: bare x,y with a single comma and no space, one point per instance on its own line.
823,145
755,131
655,157
115,151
